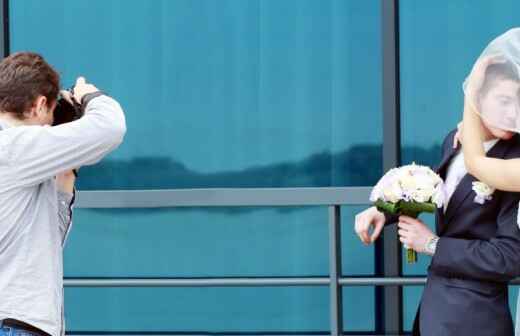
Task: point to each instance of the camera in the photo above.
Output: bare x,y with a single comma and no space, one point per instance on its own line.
66,111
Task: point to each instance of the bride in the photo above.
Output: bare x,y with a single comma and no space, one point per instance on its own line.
503,114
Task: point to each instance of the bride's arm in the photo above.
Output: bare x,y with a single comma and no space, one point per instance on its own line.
498,173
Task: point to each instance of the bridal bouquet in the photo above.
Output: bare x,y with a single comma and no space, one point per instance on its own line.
409,190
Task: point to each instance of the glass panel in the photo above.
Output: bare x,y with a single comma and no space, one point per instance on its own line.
212,243
359,309
193,310
411,300
226,93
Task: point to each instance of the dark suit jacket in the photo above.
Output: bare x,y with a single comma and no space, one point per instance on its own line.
477,254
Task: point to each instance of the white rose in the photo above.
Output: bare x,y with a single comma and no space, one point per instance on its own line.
421,196
408,183
393,193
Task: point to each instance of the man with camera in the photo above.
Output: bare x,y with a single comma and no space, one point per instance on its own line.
36,182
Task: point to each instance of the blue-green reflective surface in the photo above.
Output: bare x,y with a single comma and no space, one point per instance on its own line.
213,243
227,93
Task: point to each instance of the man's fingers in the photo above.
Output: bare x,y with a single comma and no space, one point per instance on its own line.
408,220
456,140
361,228
364,236
404,241
404,226
404,233
66,95
81,80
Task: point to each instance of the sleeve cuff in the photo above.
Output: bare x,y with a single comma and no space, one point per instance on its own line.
89,96
390,219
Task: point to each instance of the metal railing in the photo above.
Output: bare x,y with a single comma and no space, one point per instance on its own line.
333,198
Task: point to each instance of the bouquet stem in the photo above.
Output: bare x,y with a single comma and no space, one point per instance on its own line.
411,256
410,209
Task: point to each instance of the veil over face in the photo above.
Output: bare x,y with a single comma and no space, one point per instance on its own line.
493,86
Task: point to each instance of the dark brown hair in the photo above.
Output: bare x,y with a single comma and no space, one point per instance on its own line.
23,77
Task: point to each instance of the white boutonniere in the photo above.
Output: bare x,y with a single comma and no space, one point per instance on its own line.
483,191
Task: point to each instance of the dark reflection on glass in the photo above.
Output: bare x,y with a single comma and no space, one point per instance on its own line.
360,165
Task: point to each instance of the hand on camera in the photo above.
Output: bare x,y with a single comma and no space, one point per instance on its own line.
81,89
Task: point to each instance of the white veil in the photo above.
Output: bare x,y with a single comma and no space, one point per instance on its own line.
493,86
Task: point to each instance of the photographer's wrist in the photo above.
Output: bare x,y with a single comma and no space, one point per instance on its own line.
89,96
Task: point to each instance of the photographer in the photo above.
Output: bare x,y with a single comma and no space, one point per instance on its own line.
36,185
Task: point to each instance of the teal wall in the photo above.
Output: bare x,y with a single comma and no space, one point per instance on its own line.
246,93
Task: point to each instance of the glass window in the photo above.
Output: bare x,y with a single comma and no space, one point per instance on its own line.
227,93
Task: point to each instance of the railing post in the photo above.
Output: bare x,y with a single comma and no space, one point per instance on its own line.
336,297
388,251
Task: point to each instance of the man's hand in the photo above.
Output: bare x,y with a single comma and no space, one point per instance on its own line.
82,88
414,233
457,138
370,218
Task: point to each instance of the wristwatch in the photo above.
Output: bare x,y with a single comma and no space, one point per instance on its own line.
431,245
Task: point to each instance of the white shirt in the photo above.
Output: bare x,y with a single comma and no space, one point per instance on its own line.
457,170
31,230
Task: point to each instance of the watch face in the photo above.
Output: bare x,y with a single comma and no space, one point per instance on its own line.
430,246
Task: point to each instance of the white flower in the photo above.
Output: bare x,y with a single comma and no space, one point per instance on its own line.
411,183
393,193
439,195
483,192
384,183
422,195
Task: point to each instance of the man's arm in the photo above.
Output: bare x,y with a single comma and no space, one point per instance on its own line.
38,153
496,259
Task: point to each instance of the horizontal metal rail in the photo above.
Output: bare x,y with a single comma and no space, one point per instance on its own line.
195,282
247,282
232,197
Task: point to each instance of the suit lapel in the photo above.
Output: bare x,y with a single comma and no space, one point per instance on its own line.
464,189
441,171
